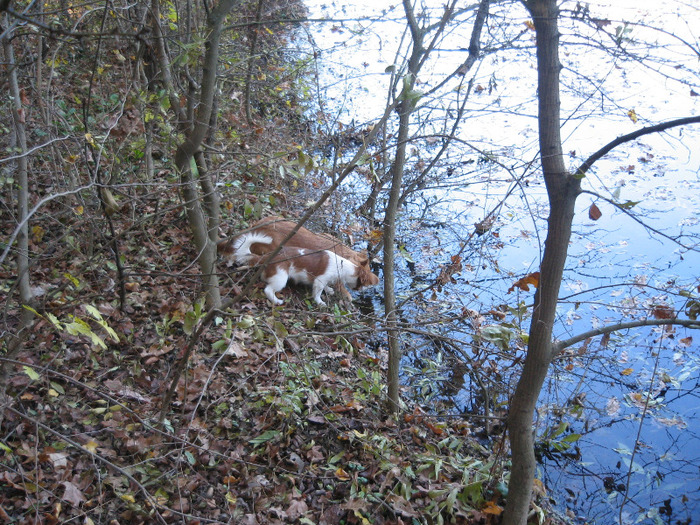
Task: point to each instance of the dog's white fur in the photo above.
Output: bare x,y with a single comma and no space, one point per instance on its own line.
318,268
241,246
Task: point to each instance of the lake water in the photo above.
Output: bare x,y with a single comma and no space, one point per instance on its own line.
617,269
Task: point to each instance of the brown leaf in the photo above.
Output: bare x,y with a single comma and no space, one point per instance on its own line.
662,311
523,284
594,212
72,494
297,509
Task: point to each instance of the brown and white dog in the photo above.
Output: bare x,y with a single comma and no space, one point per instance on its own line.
314,259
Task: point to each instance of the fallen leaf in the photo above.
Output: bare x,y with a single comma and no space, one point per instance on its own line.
72,494
492,508
342,475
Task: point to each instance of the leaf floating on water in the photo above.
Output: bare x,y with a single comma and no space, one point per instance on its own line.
662,311
686,341
594,212
612,407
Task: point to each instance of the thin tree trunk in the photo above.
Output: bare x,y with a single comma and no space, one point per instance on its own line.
204,229
562,190
406,107
18,116
26,296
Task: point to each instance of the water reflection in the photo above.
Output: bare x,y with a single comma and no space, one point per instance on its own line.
630,397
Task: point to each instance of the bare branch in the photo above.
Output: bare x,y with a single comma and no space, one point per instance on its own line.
558,346
657,128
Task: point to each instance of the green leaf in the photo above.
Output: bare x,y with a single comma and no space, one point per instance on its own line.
571,438
72,279
189,322
497,334
266,436
58,388
628,204
30,372
246,322
5,448
97,316
80,327
336,458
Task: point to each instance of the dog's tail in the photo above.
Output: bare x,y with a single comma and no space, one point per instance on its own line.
242,253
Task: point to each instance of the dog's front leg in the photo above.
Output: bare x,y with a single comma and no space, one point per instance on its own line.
274,285
317,290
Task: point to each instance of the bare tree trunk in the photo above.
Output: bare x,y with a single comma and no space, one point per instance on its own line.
406,107
18,116
26,296
204,225
562,190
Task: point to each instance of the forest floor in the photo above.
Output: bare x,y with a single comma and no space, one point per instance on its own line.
279,418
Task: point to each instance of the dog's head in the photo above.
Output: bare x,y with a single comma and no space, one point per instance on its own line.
365,277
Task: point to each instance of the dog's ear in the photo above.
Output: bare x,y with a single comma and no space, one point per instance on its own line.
225,247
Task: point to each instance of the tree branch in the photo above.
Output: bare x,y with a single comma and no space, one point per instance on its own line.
558,346
657,128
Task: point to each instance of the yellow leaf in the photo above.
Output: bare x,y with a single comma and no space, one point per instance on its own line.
522,284
90,140
632,114
37,233
78,210
91,446
342,475
492,508
363,520
627,371
128,498
53,393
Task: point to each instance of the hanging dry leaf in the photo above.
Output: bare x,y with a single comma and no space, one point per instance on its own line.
594,212
523,284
